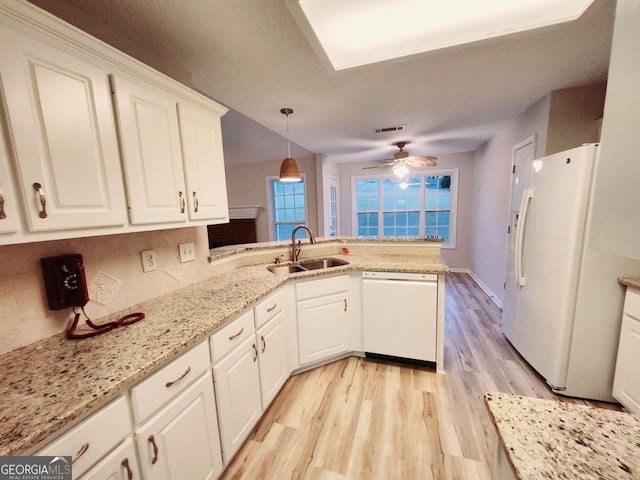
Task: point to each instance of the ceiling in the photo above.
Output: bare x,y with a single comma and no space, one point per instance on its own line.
254,57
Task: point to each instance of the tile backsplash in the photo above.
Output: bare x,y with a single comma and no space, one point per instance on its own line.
114,275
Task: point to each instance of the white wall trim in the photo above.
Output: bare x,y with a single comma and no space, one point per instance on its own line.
479,282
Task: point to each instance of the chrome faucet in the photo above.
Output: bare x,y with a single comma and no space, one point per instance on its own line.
295,249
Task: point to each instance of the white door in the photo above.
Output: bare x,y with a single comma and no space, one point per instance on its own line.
237,382
334,207
272,346
121,464
523,155
201,136
152,159
182,441
61,123
323,327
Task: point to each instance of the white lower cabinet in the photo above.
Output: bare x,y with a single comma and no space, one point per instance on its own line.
121,464
237,382
626,384
182,442
323,318
273,357
93,438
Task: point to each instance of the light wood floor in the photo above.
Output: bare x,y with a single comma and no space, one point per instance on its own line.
360,419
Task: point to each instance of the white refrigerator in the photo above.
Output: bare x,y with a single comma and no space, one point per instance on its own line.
560,314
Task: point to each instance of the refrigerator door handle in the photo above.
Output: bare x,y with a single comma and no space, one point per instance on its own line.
527,195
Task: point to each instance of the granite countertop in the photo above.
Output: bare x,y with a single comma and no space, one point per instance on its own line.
633,282
51,383
547,439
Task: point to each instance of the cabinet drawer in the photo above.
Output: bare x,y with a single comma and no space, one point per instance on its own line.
324,286
92,439
632,303
269,307
231,335
162,386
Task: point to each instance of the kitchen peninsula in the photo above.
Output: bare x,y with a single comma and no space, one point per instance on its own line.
72,379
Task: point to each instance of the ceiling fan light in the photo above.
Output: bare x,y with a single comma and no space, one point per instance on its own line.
403,185
400,171
290,171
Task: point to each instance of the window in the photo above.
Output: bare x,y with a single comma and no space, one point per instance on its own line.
421,206
287,207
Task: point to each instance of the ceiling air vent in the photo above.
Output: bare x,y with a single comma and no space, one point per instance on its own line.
397,128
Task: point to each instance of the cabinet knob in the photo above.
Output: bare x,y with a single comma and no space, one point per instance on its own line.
152,441
43,201
2,214
183,203
195,202
125,464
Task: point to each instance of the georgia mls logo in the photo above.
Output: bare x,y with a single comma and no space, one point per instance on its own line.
35,468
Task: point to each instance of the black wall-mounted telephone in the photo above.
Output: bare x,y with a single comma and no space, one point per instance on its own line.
64,281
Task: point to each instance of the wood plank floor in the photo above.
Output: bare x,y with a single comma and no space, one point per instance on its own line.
361,419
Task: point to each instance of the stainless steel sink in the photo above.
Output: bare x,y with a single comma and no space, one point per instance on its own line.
318,263
285,269
305,265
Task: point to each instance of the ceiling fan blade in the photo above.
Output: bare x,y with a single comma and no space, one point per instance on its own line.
421,161
382,165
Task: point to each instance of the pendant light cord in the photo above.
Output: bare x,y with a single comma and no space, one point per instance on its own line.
288,142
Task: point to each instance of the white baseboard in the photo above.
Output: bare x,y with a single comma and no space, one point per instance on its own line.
479,282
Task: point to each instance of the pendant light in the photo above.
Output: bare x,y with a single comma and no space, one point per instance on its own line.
289,170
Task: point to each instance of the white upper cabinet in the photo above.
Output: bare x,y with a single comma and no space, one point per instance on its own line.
62,129
150,141
8,208
201,136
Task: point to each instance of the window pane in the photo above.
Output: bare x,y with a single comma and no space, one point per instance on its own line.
430,219
444,233
299,215
430,232
279,201
289,201
443,217
298,188
413,232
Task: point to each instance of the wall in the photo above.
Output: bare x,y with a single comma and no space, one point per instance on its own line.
492,194
616,213
246,185
460,257
25,316
574,117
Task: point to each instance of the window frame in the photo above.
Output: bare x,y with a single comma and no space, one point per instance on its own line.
453,218
269,181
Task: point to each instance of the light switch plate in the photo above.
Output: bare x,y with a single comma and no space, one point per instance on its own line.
149,260
187,252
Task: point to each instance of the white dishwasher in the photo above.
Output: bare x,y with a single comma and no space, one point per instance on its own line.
400,315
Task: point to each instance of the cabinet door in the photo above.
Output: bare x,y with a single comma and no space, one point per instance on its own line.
63,132
237,384
626,385
273,358
182,442
323,326
121,464
150,141
201,136
8,208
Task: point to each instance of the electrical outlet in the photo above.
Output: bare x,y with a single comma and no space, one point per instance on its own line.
187,252
149,260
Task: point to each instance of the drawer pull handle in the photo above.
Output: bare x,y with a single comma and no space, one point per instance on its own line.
269,310
186,372
345,304
183,203
264,344
237,334
255,352
155,449
82,451
43,200
125,464
195,202
2,214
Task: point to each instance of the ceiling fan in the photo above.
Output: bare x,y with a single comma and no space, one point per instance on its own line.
402,161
